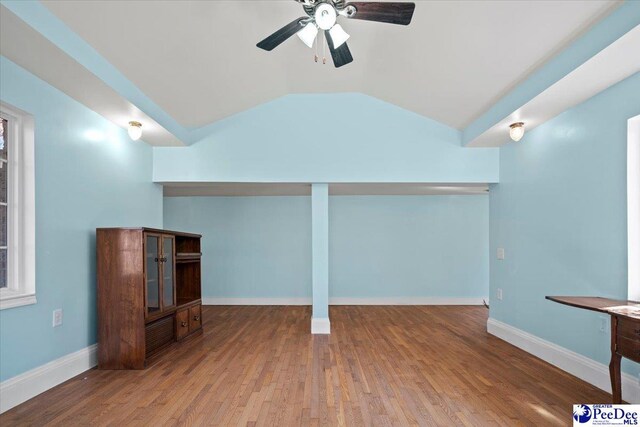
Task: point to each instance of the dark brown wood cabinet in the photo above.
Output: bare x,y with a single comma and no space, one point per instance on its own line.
149,293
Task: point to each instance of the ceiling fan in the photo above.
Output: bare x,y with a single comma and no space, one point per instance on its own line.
322,16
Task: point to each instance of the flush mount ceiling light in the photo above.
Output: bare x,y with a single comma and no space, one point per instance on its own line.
135,130
323,15
516,131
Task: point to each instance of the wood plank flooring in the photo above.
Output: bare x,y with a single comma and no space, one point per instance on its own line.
382,365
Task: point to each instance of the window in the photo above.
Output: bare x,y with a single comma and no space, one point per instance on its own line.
17,208
4,205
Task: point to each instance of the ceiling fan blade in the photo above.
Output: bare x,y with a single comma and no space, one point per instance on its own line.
341,55
391,13
275,39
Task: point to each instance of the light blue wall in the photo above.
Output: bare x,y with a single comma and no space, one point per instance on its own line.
327,138
409,246
560,213
320,249
252,246
88,174
392,246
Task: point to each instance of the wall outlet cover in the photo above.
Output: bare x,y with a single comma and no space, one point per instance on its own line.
57,317
500,253
603,324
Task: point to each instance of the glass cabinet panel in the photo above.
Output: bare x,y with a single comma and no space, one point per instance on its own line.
167,266
152,264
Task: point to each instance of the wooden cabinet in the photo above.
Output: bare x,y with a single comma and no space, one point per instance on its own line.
149,293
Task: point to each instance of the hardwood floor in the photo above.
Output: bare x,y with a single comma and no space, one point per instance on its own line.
391,365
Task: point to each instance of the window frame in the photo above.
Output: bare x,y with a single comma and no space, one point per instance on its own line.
633,207
21,265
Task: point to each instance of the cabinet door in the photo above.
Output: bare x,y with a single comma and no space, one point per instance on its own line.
168,272
152,264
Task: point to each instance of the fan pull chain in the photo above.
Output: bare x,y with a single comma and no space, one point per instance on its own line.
324,57
315,57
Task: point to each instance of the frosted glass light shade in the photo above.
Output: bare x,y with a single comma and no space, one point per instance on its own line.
338,35
516,131
308,34
135,130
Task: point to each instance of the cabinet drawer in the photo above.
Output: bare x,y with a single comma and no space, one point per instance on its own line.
628,328
629,348
158,334
195,318
182,323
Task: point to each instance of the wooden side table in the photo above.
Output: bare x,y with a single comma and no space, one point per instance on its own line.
625,334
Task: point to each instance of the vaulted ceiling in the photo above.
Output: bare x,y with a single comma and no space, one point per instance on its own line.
198,61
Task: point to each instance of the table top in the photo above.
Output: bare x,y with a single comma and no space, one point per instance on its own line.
590,303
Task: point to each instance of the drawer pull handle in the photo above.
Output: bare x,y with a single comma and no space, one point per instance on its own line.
637,331
196,317
184,324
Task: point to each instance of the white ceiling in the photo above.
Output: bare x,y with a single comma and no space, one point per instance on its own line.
198,60
208,189
31,50
616,62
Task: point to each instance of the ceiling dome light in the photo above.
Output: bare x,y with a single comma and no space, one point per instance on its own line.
308,34
135,130
338,35
325,16
516,131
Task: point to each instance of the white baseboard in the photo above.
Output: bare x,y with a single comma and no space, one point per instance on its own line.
406,301
576,364
23,387
320,325
346,301
255,301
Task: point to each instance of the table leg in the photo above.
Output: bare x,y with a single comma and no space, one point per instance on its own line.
614,372
614,365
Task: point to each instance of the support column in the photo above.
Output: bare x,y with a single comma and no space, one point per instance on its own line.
320,258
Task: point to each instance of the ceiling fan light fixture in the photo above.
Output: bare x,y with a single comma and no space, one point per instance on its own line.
308,34
338,35
325,16
516,131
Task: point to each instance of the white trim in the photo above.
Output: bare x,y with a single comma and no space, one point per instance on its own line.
11,299
255,301
406,301
23,387
21,267
633,207
576,364
320,325
346,301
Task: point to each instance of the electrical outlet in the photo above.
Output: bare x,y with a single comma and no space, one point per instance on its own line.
500,253
603,324
57,317
499,294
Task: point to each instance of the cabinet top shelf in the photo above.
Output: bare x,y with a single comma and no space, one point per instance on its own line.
188,254
154,230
